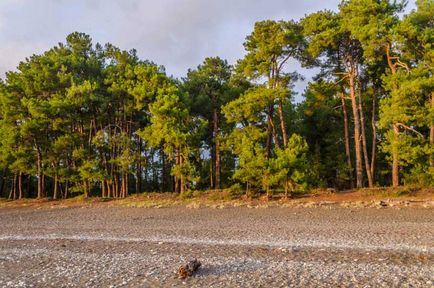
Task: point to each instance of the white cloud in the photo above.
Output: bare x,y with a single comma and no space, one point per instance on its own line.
175,33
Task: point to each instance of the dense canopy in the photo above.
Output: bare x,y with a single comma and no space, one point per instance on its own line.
83,118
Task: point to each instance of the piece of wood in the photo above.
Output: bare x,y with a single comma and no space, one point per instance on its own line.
189,269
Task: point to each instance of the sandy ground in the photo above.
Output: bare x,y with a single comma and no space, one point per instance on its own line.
238,247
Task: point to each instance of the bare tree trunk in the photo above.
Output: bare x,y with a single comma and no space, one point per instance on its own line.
181,185
43,184
56,185
164,177
102,189
66,189
211,168
216,149
123,185
395,156
282,124
137,184
62,195
374,134
217,165
395,151
359,169
86,193
212,148
127,190
286,188
268,191
28,184
13,191
39,174
347,139
3,180
177,180
431,132
269,130
364,144
109,190
181,180
115,186
139,168
20,185
122,194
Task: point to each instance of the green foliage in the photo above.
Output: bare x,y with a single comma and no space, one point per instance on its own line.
93,119
290,167
251,156
249,107
372,22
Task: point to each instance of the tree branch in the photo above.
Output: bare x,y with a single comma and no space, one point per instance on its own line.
409,128
283,62
342,79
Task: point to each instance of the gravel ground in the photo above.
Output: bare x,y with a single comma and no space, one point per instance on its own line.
238,247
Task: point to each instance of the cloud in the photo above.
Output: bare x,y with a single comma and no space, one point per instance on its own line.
175,33
178,34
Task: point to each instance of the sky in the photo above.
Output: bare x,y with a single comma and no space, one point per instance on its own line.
178,34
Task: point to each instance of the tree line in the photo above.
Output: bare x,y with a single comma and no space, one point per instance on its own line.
83,118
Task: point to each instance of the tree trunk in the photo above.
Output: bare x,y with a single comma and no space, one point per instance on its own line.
347,139
102,189
56,186
127,190
139,170
13,191
268,192
115,186
181,180
122,195
395,156
164,186
269,131
364,144
211,168
66,189
374,134
43,184
286,188
39,174
86,194
177,180
431,132
395,127
216,149
3,180
20,185
62,195
109,193
282,124
359,169
28,184
217,165
181,185
137,185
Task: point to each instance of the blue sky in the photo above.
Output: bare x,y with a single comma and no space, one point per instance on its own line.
178,34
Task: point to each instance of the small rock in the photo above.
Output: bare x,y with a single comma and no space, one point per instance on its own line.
382,204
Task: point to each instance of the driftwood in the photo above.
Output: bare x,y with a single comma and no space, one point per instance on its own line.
189,269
